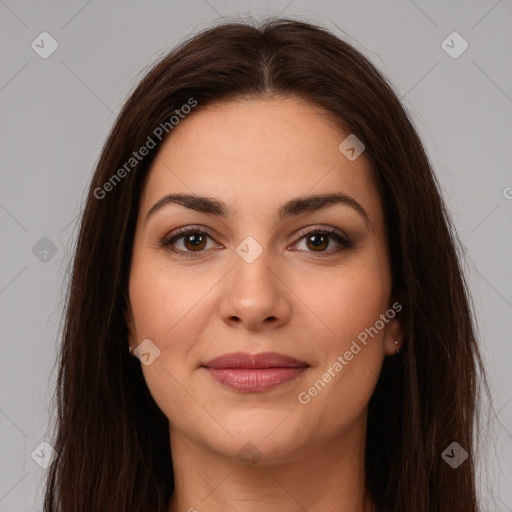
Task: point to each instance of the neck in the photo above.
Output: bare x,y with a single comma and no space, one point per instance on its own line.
320,477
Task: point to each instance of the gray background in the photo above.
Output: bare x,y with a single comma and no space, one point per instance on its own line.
56,113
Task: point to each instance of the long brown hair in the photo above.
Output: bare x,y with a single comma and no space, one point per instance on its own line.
112,441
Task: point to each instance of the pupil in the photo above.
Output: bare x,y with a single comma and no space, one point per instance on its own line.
195,240
317,240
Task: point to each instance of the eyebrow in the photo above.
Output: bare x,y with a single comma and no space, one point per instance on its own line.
294,206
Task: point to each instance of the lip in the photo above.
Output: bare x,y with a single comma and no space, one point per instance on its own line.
253,361
246,372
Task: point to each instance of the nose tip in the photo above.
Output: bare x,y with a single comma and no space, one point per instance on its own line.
255,323
254,296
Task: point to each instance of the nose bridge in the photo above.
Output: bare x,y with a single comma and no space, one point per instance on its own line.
253,263
254,293
252,271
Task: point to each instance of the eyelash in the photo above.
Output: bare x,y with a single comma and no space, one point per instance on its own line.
166,243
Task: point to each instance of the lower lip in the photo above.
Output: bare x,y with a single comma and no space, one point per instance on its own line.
261,379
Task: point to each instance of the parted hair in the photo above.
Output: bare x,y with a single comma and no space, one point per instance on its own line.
112,440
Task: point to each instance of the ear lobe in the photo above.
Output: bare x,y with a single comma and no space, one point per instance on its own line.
395,332
131,332
128,314
393,342
129,324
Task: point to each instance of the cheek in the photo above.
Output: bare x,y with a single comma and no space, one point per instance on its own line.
346,300
349,303
167,304
168,308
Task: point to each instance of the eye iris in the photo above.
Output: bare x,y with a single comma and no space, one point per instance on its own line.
319,241
198,241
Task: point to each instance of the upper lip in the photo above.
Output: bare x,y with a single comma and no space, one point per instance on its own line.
254,361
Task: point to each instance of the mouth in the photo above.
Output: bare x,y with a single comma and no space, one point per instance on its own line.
246,372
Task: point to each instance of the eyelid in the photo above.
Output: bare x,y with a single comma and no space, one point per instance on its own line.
344,241
178,233
339,236
314,228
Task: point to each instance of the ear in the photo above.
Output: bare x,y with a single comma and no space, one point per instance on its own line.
128,316
395,330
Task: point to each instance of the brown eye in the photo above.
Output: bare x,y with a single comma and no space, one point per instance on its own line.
194,241
317,242
187,242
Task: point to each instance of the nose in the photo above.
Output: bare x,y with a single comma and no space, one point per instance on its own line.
255,295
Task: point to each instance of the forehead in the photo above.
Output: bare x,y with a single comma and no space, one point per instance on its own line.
248,150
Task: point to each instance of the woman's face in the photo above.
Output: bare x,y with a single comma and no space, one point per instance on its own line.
270,265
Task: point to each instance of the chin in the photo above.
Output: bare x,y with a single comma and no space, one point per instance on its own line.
265,437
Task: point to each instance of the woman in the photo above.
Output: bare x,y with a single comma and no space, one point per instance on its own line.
266,309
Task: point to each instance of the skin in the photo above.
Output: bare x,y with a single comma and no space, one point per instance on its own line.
295,299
